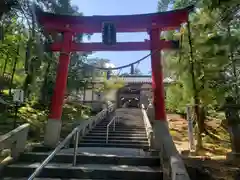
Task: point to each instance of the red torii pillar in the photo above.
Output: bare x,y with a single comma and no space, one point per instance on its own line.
157,75
71,25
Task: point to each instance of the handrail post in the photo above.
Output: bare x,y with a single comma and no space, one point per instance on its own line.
107,135
75,148
107,112
114,124
118,119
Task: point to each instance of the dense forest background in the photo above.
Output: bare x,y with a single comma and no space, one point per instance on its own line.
206,68
26,64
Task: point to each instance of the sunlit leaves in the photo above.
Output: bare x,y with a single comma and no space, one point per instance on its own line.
211,56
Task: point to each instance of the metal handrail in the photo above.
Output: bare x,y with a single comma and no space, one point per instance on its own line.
148,125
114,119
75,132
146,120
52,155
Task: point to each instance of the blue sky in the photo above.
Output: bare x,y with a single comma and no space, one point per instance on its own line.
120,7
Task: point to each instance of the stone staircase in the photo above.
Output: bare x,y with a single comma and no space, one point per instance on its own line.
129,132
122,158
89,166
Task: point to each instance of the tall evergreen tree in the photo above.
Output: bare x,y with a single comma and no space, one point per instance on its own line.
212,67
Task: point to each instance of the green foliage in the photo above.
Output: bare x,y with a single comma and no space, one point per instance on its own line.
36,115
35,70
176,98
75,111
212,73
112,84
211,57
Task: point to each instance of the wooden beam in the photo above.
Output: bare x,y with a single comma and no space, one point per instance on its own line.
121,46
123,23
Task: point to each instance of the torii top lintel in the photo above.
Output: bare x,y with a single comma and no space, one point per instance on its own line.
124,23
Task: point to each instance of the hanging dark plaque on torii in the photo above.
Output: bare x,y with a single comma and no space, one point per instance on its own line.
109,33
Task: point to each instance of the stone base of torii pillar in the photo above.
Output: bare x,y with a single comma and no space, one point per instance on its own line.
52,133
162,136
163,143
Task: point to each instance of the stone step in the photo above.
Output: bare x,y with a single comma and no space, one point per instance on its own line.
92,159
41,148
114,141
112,134
125,125
117,137
117,131
122,125
137,146
116,127
87,171
11,178
125,120
128,122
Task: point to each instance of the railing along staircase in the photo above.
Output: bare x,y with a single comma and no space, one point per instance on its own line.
128,131
121,157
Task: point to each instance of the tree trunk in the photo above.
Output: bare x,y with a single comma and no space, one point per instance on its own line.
44,90
27,82
14,69
195,91
234,71
199,128
236,138
5,65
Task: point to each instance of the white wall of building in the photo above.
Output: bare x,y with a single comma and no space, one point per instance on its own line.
111,95
88,95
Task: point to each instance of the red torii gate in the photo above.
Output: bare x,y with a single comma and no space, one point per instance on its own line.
71,25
